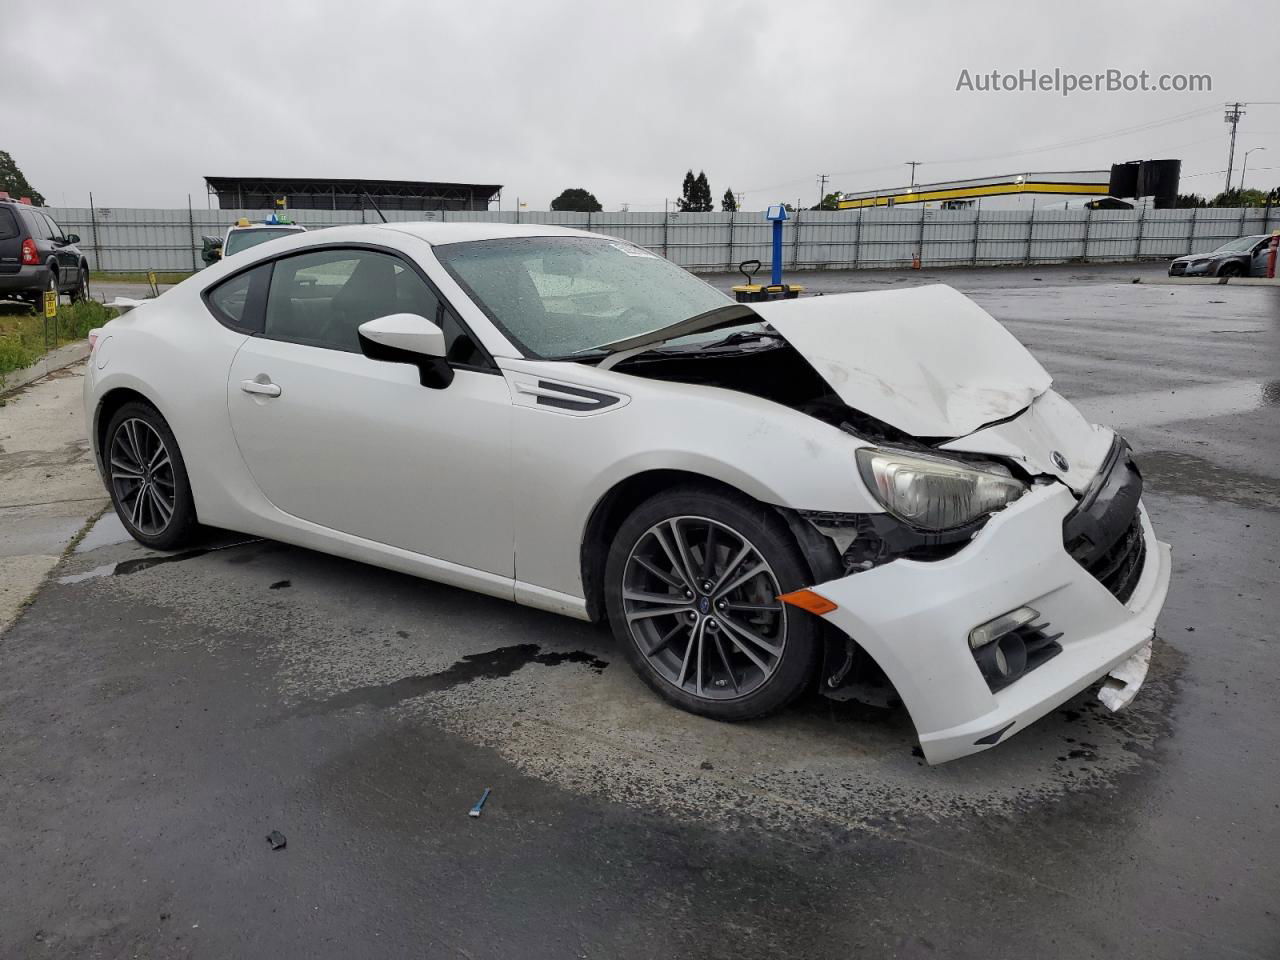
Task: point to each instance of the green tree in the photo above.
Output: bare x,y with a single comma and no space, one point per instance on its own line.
1240,198
577,200
14,183
702,188
1188,201
688,193
830,202
729,203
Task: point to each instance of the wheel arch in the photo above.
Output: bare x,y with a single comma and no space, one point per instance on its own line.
617,503
108,404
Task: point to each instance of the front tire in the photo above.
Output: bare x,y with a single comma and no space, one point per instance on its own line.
1231,270
147,478
691,587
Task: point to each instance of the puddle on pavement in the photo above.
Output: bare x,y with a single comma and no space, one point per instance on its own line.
1170,472
1199,402
106,532
490,665
123,568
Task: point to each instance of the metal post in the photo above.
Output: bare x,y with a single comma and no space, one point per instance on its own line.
588,221
1191,232
795,244
1142,220
729,261
857,239
666,224
1244,211
1088,229
977,230
920,238
191,224
776,267
1031,229
93,222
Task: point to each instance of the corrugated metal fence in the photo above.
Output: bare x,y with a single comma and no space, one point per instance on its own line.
129,239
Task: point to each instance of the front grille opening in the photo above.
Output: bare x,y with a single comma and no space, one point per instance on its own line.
1017,653
1119,568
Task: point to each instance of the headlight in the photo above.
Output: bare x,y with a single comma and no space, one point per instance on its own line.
936,493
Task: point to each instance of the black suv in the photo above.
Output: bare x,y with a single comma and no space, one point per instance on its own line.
35,256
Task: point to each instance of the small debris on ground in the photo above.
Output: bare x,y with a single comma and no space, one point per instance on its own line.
475,811
277,840
706,765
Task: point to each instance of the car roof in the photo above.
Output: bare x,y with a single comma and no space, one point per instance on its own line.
267,226
436,232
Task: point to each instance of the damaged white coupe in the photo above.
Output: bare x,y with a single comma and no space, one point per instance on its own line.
818,494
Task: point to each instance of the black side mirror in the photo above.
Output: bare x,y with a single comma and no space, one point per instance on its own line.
72,238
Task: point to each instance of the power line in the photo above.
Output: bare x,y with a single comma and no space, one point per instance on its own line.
822,188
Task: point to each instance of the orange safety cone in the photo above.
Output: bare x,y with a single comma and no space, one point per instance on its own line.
915,261
1271,257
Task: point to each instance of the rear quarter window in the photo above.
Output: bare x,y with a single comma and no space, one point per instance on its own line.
8,224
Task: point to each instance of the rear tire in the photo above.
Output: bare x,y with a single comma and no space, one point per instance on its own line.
693,621
80,291
147,478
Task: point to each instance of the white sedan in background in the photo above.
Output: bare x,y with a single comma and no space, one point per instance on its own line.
764,499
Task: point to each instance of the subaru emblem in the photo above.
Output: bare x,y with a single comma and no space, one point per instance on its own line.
1059,460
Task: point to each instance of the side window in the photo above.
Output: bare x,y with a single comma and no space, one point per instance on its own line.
320,299
36,225
237,302
55,231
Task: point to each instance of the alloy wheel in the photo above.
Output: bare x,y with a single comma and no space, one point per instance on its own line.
142,476
701,605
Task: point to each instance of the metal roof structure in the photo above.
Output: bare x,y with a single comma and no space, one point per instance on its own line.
1072,183
318,193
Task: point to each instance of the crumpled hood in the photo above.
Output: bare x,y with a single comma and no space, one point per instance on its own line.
927,360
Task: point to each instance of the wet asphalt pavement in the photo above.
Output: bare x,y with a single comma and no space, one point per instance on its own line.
159,716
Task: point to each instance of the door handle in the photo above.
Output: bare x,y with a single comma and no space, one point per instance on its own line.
262,389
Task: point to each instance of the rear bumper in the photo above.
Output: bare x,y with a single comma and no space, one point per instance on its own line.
914,619
28,279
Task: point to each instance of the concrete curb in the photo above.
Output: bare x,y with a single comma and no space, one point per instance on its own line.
63,356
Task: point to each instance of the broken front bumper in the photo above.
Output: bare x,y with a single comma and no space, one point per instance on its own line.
914,619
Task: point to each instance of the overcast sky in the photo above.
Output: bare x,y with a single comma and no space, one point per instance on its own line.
137,101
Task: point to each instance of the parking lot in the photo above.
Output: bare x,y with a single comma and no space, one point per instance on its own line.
161,714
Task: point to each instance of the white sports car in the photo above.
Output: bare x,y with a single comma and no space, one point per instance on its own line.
760,499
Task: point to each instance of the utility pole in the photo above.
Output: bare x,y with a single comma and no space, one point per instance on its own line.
741,197
1234,112
822,188
913,164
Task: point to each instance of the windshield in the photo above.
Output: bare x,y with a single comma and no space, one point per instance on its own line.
1243,245
555,297
239,240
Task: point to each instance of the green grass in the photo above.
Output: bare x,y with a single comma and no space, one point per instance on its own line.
24,336
106,277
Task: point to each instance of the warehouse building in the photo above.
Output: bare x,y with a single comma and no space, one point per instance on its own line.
314,193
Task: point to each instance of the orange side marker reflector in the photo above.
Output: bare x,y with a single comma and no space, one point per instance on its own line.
806,599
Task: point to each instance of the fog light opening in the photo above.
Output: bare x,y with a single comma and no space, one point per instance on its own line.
1003,661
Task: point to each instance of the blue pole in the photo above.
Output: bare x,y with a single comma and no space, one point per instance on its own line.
777,252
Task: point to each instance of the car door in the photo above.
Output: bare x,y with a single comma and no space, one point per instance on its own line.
359,445
68,262
1261,253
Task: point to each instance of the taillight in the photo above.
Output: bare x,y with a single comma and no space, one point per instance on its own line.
29,255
